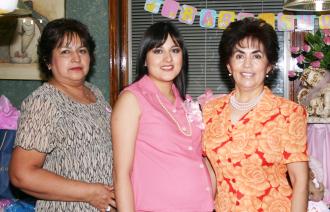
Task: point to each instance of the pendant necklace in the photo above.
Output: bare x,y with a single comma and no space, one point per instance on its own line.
183,130
245,106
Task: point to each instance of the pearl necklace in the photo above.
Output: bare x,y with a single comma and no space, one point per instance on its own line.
183,130
245,106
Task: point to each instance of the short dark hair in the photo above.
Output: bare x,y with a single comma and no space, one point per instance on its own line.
256,29
155,36
53,36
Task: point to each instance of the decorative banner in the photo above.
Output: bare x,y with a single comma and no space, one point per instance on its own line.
207,18
305,22
187,14
241,16
225,18
285,22
153,6
170,8
268,17
324,22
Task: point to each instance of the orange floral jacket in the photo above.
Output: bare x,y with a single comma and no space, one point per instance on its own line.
250,157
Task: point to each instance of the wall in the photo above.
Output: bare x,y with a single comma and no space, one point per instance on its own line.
95,15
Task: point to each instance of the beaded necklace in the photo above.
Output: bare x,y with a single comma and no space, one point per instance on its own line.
245,106
183,130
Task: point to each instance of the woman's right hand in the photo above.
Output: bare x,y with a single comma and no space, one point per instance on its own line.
101,196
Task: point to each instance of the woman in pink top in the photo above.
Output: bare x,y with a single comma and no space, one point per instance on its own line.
157,149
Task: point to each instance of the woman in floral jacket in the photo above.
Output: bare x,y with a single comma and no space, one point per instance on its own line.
253,137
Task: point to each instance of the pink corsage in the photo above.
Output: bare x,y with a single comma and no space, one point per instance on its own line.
193,108
108,109
194,114
202,99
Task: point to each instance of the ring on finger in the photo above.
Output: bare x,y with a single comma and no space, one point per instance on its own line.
108,209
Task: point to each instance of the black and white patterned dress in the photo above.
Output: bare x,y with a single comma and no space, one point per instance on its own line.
76,138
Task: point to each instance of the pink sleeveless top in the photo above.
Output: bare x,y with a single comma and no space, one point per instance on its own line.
168,171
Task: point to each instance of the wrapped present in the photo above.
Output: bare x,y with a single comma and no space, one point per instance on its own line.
8,114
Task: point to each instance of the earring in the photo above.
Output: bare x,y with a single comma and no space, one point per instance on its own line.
229,74
267,75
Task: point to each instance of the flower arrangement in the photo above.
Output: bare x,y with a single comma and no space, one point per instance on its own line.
193,108
193,111
315,52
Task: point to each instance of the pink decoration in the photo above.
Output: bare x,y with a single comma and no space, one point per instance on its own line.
4,203
285,22
207,18
324,22
326,40
187,14
292,74
152,6
318,147
305,22
268,17
194,114
202,99
326,32
306,48
225,18
316,64
8,114
241,16
294,49
300,59
108,109
170,8
318,55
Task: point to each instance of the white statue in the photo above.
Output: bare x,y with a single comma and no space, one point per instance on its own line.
23,47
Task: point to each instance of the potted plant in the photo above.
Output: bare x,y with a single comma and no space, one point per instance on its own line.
314,54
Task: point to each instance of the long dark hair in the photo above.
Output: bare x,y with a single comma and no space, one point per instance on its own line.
154,37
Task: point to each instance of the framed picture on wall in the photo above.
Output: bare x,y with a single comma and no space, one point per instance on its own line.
19,35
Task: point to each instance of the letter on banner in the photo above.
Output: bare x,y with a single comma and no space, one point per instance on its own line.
225,18
285,22
207,18
305,22
187,14
152,6
241,16
170,8
268,17
324,22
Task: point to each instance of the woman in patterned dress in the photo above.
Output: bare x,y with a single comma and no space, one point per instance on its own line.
252,137
63,151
